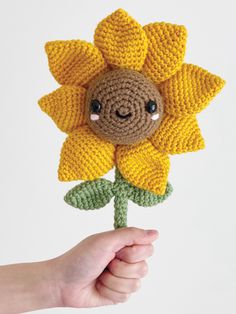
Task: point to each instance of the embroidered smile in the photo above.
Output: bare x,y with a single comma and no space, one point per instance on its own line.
123,116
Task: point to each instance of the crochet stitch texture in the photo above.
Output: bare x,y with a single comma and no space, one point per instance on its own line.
133,123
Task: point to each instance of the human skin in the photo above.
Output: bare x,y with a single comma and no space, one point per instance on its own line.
103,269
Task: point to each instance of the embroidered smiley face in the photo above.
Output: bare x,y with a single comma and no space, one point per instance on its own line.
123,106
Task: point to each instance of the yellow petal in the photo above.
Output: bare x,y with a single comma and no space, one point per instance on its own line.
85,156
166,50
190,90
121,40
143,166
178,135
66,106
74,62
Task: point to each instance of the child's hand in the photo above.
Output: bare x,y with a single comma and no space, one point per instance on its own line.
104,268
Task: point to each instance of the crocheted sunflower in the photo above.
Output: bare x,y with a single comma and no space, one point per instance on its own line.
127,101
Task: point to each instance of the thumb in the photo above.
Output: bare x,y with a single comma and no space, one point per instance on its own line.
117,239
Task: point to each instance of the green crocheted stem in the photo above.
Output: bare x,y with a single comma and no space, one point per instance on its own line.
90,195
121,208
121,191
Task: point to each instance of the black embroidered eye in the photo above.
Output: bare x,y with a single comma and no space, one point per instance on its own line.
151,106
96,106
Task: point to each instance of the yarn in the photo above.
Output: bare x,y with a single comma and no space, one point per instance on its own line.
122,41
178,135
147,199
74,62
145,167
96,194
66,107
127,101
123,95
84,156
90,194
166,50
157,51
190,90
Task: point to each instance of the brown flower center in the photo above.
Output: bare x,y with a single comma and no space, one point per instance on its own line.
123,106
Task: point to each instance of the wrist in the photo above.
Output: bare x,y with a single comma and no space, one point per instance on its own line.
27,287
50,285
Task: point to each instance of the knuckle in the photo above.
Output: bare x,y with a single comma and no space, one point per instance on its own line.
143,269
133,249
104,277
133,229
123,297
136,285
136,232
113,265
151,250
116,268
130,253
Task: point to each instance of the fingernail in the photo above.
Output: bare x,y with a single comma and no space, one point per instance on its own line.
151,232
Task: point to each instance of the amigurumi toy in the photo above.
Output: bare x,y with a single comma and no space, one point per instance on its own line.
127,101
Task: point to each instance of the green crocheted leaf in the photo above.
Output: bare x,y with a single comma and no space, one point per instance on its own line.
139,196
90,194
146,198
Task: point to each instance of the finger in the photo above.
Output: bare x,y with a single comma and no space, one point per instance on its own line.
121,285
122,269
111,295
135,253
116,239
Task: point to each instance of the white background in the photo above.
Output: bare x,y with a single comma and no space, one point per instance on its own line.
193,268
